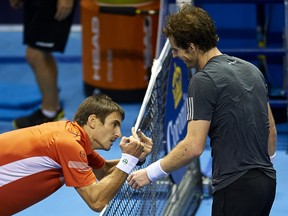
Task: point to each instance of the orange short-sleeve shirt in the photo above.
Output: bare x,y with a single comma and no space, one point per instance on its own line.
37,161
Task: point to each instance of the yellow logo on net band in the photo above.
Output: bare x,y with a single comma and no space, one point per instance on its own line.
177,85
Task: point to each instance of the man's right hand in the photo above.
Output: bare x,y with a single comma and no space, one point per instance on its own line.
16,3
131,146
64,9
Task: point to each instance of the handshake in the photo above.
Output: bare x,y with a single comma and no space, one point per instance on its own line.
134,150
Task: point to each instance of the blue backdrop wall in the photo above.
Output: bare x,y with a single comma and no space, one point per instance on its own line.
237,28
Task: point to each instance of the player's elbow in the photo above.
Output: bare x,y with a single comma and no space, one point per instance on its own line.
197,153
98,206
197,150
191,153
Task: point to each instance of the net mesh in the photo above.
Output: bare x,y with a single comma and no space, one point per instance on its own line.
160,197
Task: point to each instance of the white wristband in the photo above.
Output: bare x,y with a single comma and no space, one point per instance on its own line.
155,172
127,163
272,157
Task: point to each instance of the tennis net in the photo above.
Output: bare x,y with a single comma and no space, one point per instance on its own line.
163,197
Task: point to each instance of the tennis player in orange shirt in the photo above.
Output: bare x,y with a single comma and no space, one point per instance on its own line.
36,161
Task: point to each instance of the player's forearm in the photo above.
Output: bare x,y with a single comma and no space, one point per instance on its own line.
189,148
118,176
272,141
272,133
111,166
108,187
107,169
98,195
180,156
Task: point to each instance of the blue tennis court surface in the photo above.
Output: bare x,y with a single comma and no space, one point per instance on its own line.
19,95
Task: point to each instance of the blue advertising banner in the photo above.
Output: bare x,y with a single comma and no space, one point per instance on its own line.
175,118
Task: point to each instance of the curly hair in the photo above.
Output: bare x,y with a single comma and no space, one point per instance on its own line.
191,25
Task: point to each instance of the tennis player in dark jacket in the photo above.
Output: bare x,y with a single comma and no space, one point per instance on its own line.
227,101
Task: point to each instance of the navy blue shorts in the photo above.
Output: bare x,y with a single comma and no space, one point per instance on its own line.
250,195
41,29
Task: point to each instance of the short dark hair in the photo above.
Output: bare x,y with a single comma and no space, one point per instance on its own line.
100,105
191,25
